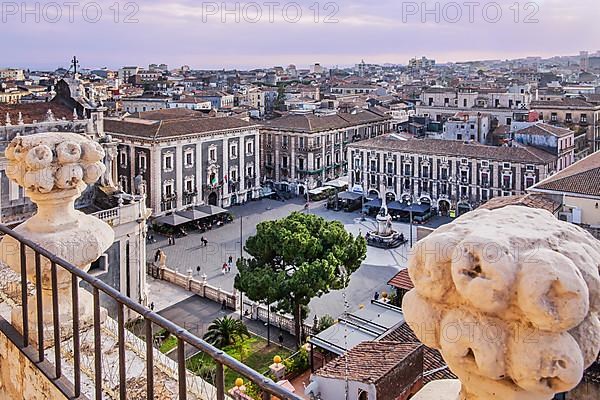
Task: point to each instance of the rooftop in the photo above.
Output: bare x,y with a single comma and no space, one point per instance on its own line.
171,128
368,362
455,148
311,123
570,102
434,366
34,112
545,130
533,200
581,178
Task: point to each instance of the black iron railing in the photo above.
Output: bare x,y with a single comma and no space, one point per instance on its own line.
72,390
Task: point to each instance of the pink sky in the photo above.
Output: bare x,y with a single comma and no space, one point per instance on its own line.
192,32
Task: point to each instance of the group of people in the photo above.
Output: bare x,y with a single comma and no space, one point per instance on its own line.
226,268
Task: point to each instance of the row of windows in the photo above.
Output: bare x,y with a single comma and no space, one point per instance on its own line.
189,181
168,163
506,180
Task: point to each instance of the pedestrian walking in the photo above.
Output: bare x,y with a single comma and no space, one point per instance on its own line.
204,241
376,296
224,268
229,263
224,305
157,255
198,269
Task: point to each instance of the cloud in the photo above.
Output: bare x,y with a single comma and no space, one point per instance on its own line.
342,33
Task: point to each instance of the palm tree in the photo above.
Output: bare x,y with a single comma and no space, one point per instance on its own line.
225,331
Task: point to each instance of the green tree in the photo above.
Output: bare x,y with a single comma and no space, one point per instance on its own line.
325,322
226,331
280,99
297,258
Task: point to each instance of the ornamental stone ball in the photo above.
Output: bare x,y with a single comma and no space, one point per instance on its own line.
54,169
511,298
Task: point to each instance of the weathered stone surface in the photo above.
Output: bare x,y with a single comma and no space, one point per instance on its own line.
511,299
20,379
54,169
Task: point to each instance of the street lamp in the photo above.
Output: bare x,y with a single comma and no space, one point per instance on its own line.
362,183
241,255
410,213
307,197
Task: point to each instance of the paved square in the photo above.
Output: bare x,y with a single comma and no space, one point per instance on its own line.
188,252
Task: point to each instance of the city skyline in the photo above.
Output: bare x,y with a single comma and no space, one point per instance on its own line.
182,32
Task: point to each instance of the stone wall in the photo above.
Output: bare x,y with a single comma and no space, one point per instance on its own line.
20,378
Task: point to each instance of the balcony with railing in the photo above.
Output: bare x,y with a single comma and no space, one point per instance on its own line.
56,338
101,358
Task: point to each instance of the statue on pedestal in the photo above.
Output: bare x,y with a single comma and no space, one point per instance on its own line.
511,298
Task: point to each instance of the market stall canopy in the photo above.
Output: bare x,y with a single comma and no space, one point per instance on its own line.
349,196
339,183
172,220
396,206
375,203
417,208
211,210
193,214
317,191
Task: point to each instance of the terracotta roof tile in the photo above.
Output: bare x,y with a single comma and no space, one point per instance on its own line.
583,177
546,130
402,280
174,127
533,200
369,361
312,123
572,102
522,154
34,112
434,366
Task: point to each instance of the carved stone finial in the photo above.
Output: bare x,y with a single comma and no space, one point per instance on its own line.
50,116
54,169
20,120
75,115
7,120
511,298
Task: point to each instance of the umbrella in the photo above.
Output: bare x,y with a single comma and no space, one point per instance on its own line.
193,214
373,203
172,220
211,210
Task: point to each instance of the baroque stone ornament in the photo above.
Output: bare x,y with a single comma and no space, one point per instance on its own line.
54,169
511,298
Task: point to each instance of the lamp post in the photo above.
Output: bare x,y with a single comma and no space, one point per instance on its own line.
307,197
410,213
241,255
269,324
362,184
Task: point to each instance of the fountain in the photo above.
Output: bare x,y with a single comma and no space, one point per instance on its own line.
385,237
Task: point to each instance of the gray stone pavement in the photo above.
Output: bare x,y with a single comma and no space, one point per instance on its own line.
163,294
187,253
195,314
